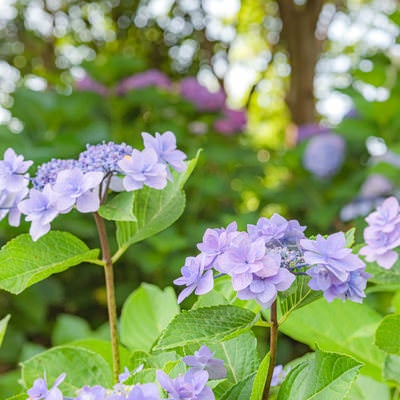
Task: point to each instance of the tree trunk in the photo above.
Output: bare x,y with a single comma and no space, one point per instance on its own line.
304,48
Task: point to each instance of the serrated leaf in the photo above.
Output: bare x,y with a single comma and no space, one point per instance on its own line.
82,366
146,312
344,327
3,327
386,337
260,378
119,208
155,210
206,324
24,262
328,376
298,295
384,276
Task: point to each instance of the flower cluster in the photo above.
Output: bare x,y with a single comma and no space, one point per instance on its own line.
324,154
265,259
382,235
190,386
61,185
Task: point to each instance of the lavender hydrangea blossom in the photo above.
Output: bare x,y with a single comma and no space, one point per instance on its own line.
13,168
203,359
40,391
96,392
382,235
334,268
9,205
190,386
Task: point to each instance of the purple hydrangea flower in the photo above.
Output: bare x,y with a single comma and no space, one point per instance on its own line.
87,83
165,147
233,121
335,270
146,391
73,186
104,157
383,234
272,229
194,277
142,168
40,391
191,386
92,393
9,205
203,359
48,172
13,169
200,96
265,283
241,259
41,208
308,130
152,77
278,375
324,155
216,242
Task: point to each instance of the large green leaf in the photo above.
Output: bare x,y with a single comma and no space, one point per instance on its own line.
3,327
155,210
24,262
259,380
241,390
119,208
82,366
344,327
146,312
366,388
68,328
391,368
206,324
327,376
386,336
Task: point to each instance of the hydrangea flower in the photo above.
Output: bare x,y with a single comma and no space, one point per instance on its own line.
73,186
324,155
165,147
48,172
13,169
40,391
278,375
142,168
152,77
40,208
232,121
382,235
335,270
203,359
191,386
87,83
92,393
146,391
200,96
9,205
195,277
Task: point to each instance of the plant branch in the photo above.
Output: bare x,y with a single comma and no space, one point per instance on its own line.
273,341
111,305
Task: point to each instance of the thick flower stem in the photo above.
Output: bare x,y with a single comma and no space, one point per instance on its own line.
111,305
273,341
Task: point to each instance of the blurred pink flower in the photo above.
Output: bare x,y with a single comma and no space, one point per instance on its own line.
152,77
87,83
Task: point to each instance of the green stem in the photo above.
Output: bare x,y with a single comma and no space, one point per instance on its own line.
111,305
273,341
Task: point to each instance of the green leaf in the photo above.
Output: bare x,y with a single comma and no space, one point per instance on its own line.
386,337
119,208
366,388
327,376
350,237
259,380
21,396
24,262
241,390
146,312
344,327
206,324
384,276
298,295
155,210
3,327
240,356
82,366
391,368
68,328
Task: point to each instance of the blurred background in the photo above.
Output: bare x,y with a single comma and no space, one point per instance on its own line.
294,103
